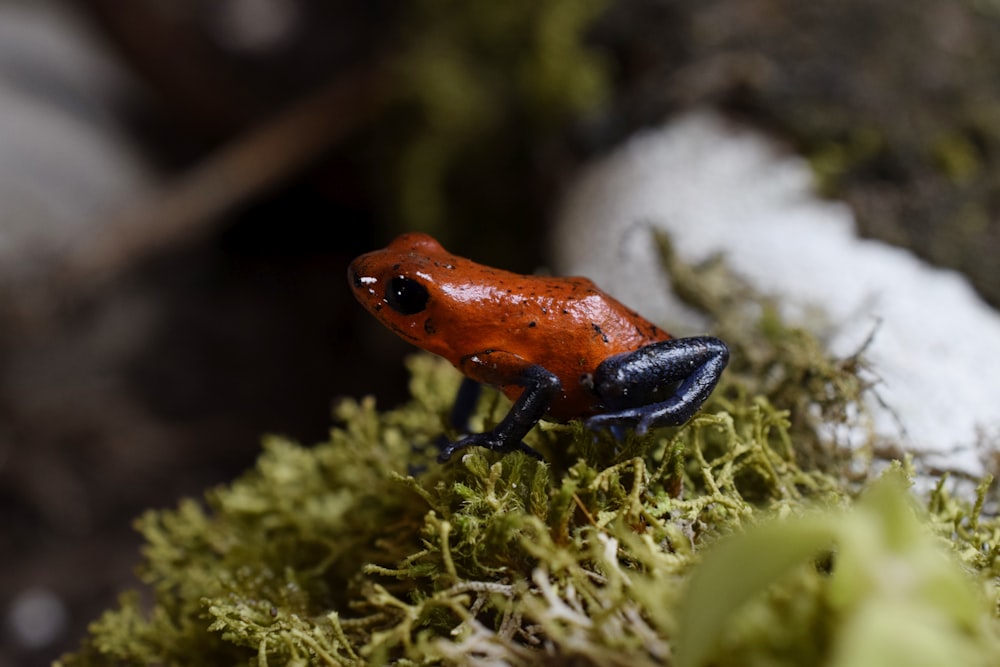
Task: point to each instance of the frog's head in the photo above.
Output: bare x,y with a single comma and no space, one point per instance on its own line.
403,284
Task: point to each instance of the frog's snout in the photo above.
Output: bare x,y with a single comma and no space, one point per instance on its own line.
353,277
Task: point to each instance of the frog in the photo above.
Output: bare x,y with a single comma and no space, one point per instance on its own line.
558,347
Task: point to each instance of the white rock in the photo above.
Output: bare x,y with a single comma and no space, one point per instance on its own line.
718,188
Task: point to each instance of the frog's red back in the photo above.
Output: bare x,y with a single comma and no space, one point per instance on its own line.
567,325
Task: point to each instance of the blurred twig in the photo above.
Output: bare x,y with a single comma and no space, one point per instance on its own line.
194,203
266,156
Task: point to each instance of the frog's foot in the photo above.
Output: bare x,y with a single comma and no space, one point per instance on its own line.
487,440
612,422
671,412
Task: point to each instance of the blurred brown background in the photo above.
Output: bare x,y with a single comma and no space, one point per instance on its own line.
182,184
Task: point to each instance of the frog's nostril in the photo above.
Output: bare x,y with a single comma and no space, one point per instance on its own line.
353,277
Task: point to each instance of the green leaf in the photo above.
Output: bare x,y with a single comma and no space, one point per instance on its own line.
739,569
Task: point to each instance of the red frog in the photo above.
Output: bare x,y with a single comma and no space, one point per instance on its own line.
557,347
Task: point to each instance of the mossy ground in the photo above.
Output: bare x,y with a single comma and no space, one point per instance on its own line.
745,537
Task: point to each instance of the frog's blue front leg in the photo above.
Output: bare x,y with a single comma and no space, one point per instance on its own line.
662,384
540,386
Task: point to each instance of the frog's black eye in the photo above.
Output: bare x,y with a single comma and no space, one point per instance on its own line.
406,296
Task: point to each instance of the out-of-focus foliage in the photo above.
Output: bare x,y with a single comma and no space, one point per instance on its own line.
478,88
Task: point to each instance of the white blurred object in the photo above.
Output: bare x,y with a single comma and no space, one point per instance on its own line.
64,162
36,617
717,188
255,25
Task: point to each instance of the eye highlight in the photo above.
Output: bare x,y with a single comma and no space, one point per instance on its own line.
406,296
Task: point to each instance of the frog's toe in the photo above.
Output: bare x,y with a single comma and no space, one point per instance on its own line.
640,419
449,448
613,422
471,440
647,422
598,422
486,440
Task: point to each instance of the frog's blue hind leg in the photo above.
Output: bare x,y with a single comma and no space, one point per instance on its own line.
461,410
465,402
662,384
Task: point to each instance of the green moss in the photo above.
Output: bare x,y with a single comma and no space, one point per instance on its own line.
833,160
743,537
958,158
